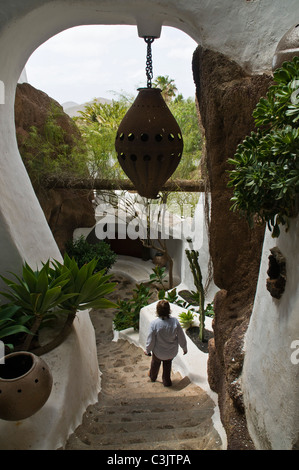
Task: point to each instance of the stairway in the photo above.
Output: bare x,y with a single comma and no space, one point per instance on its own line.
133,413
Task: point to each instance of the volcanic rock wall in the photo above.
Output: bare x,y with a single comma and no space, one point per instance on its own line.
65,209
226,98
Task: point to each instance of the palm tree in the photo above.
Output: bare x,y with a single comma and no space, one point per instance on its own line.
167,86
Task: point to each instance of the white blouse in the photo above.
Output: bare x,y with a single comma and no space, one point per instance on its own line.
165,337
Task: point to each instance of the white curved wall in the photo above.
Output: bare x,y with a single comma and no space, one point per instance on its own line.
271,368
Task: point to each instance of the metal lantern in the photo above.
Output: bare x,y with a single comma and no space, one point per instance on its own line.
287,48
149,142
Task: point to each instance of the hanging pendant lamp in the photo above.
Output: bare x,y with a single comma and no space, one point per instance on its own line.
149,142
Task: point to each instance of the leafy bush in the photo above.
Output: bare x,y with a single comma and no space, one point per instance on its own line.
266,174
128,312
209,311
83,252
98,124
50,152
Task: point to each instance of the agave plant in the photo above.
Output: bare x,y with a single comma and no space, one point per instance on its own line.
56,289
36,294
11,323
85,289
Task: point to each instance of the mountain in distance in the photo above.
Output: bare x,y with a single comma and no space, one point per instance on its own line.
72,109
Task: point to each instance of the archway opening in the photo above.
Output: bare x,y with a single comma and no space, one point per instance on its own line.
107,63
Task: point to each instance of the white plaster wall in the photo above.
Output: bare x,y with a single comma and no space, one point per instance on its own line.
199,242
271,368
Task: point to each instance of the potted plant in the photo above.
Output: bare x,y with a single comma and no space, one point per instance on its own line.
35,298
35,295
55,290
10,324
86,289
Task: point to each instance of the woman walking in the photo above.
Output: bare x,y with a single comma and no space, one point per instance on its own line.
163,341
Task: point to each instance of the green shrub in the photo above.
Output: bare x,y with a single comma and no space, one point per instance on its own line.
186,319
265,177
83,252
50,152
127,315
209,311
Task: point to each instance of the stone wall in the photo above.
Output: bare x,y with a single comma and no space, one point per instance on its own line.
226,97
64,209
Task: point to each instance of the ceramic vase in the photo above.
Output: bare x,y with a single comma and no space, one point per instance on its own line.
25,385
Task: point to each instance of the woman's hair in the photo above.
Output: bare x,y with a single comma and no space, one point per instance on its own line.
163,309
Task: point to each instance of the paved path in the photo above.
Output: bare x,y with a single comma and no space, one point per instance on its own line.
134,413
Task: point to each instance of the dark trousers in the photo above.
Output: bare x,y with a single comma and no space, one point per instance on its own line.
155,367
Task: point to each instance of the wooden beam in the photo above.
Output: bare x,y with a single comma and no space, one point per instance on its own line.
124,184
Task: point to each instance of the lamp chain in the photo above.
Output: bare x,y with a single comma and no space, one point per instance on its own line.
149,63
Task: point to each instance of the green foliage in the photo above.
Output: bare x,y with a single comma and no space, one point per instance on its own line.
90,286
37,293
265,177
11,322
50,152
167,86
39,296
209,311
158,275
185,113
186,319
172,297
83,252
98,124
128,312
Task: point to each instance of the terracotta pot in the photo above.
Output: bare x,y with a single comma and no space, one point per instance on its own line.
25,385
160,260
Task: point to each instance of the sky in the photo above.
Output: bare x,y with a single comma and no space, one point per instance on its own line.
88,62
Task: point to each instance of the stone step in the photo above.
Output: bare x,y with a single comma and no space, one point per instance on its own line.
205,443
133,413
147,425
134,392
131,422
157,404
106,438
